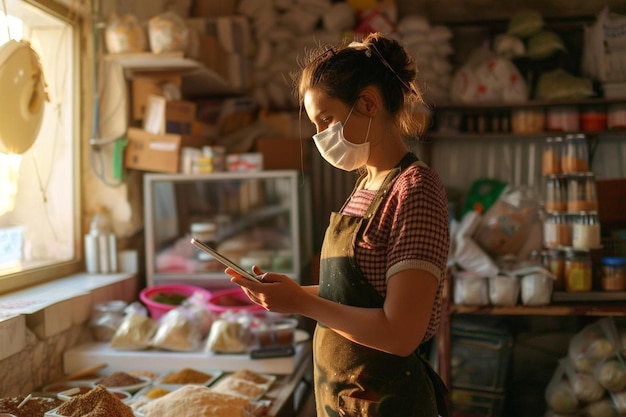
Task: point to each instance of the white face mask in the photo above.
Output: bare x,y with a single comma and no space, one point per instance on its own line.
340,152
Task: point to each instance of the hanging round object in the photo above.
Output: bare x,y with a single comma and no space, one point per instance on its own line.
23,94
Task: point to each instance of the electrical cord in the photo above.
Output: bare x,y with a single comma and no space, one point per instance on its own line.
96,158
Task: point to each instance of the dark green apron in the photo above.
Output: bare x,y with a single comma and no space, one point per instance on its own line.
351,379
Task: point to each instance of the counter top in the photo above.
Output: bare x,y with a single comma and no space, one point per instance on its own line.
289,393
90,354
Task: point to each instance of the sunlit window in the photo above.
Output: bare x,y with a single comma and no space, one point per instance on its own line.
39,189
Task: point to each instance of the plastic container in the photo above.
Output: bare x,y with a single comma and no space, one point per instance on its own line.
613,273
575,157
275,333
563,118
101,244
157,309
106,318
593,121
470,289
231,300
536,289
616,116
503,290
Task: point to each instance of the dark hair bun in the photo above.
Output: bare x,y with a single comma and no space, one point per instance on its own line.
395,55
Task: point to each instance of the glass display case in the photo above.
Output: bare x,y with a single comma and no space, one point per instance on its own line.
253,218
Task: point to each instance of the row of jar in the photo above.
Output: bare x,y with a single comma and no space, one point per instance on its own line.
574,271
568,154
575,230
571,193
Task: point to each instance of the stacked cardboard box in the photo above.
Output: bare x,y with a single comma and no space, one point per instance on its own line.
168,125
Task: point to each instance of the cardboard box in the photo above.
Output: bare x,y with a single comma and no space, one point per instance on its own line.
160,153
227,115
145,84
280,153
224,45
169,116
212,8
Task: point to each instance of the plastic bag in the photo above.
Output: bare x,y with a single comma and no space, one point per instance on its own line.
168,33
506,224
198,312
487,78
509,46
601,408
176,332
585,386
543,45
559,394
594,343
225,337
525,23
136,330
124,34
559,84
611,373
467,253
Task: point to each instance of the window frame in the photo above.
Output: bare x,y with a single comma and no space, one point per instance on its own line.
38,275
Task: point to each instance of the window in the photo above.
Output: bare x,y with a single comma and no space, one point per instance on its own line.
39,189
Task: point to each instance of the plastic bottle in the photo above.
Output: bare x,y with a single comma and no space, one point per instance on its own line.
101,244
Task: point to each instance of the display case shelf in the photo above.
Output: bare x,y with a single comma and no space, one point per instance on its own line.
261,214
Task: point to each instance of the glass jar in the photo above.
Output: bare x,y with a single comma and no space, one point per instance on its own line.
578,273
557,231
106,318
581,193
563,118
556,194
613,273
575,157
551,155
586,231
555,263
617,116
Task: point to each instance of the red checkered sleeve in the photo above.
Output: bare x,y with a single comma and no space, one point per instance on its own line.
409,231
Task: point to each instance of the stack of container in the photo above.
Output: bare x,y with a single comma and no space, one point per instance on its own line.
571,225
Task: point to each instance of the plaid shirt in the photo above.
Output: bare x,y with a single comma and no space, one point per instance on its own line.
409,231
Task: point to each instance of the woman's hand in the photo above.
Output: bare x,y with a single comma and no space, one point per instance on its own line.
274,292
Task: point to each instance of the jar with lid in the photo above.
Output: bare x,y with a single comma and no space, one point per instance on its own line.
204,231
557,231
586,231
575,157
613,273
617,116
554,261
578,272
581,193
563,118
551,155
106,318
555,193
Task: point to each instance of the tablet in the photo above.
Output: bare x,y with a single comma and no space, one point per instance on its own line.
224,260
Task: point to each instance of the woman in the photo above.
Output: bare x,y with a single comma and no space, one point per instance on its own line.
384,254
